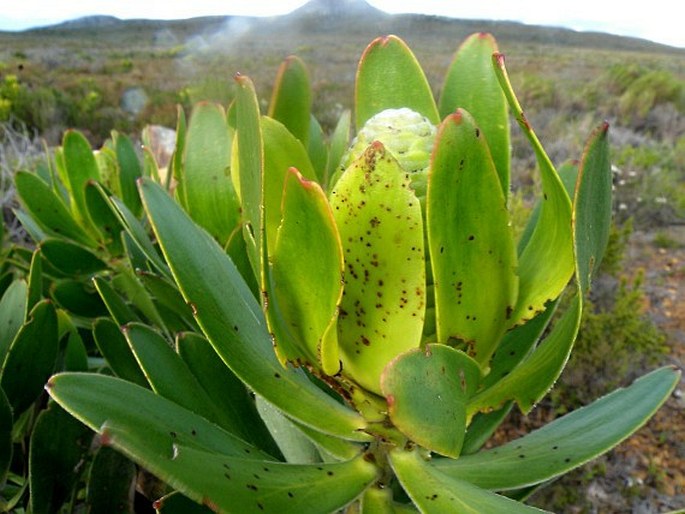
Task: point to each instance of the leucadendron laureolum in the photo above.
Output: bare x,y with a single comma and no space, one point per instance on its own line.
353,320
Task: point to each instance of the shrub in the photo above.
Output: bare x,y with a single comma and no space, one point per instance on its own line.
311,325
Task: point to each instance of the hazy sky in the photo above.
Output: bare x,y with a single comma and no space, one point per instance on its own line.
655,20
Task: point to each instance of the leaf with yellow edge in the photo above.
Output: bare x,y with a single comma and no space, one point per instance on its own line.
390,77
305,284
546,263
384,300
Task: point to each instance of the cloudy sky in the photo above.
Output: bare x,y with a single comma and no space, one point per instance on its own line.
654,20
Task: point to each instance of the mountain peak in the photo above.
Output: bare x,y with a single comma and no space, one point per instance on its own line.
336,8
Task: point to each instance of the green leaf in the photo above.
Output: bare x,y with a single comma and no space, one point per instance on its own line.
304,281
547,262
209,193
99,400
80,167
130,170
169,376
113,346
568,172
225,390
472,248
568,441
31,357
33,229
75,354
150,166
117,307
78,297
12,313
317,150
249,162
434,492
70,258
6,446
35,282
339,142
390,77
427,391
165,294
282,151
471,84
139,236
331,447
517,344
59,444
126,281
291,99
292,443
233,322
381,229
48,209
104,217
592,206
534,376
237,250
111,483
226,483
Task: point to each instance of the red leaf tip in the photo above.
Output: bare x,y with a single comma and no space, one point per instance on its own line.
106,437
457,116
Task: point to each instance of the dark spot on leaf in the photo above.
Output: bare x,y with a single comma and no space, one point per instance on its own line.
252,487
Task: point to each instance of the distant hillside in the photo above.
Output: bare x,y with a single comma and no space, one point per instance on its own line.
352,17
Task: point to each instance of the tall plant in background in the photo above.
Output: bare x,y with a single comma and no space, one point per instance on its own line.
372,298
